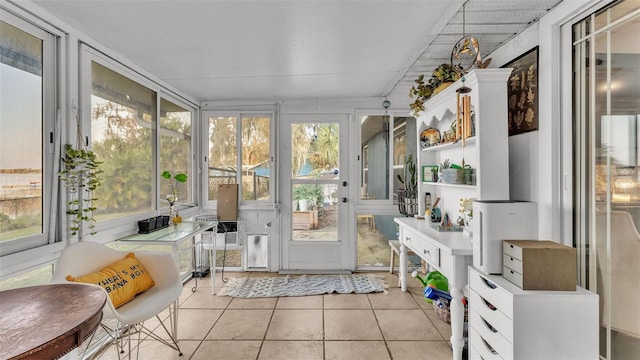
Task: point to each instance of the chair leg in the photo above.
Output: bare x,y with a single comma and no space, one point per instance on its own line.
392,261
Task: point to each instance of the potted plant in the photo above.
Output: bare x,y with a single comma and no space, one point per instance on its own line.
408,197
308,194
172,197
80,175
443,76
451,173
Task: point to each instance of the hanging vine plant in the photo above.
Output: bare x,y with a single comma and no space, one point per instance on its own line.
80,175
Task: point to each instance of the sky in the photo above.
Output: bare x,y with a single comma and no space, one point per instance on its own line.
20,119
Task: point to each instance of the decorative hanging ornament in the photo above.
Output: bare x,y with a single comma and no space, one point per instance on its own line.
466,52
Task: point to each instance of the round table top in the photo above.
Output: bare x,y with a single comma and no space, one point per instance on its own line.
48,321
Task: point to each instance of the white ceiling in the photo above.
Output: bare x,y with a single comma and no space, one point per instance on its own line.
285,50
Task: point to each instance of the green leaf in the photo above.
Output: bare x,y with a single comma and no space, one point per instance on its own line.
181,178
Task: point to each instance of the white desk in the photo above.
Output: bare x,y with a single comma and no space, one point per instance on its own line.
448,252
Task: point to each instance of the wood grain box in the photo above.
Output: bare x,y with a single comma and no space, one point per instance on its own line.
539,265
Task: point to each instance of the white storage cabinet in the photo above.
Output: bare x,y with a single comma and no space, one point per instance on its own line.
506,322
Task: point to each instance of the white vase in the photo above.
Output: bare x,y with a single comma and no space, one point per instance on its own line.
304,204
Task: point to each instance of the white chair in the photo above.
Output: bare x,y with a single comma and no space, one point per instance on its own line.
89,257
619,282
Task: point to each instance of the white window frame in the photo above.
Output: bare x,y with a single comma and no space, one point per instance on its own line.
239,115
51,48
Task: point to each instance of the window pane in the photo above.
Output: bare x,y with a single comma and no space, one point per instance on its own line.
255,158
175,148
122,113
314,151
315,215
21,124
222,153
374,133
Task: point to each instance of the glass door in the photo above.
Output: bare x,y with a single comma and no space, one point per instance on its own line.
607,207
315,193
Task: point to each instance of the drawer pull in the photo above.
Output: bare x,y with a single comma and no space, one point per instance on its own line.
489,305
486,344
408,238
489,326
511,246
426,252
489,283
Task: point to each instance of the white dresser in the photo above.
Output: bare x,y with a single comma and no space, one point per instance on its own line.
506,322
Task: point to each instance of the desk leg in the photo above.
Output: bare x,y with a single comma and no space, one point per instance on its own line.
457,322
403,267
212,271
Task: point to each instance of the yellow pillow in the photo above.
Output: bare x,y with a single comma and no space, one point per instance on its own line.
122,280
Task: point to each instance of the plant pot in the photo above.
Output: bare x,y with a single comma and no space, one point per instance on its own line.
407,202
146,225
452,176
441,87
304,204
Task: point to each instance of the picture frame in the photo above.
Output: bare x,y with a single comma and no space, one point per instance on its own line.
522,93
428,173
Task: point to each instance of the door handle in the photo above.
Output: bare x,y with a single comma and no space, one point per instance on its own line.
344,199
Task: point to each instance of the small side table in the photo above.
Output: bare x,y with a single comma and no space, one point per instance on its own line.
47,321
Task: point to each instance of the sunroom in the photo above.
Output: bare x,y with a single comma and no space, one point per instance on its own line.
290,144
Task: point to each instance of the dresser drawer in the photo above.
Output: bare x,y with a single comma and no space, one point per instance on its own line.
512,263
512,275
491,293
494,318
491,335
422,247
512,250
482,347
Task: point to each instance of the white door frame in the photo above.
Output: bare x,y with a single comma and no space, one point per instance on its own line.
315,256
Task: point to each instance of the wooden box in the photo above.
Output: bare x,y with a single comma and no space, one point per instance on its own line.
539,265
227,202
305,220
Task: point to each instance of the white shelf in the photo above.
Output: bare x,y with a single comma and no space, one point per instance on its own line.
468,141
459,186
487,152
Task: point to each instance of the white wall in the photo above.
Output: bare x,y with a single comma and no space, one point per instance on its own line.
536,170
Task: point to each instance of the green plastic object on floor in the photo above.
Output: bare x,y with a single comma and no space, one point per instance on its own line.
433,279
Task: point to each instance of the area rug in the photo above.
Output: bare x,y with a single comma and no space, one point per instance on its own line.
303,285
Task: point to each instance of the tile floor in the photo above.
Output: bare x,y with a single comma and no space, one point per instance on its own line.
364,326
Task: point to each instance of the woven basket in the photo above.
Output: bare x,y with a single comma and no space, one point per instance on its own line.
445,314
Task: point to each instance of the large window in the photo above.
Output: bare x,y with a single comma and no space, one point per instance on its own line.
122,124
27,113
137,132
246,135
